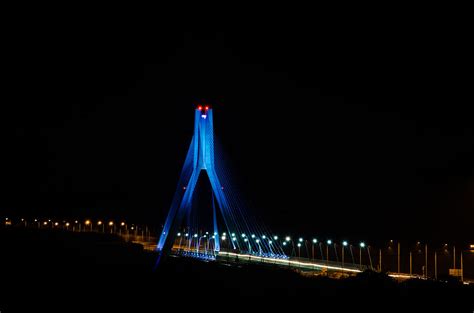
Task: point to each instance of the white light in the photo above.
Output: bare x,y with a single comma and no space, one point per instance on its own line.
245,239
179,234
329,241
275,237
287,238
253,236
243,235
263,236
315,240
344,243
233,234
195,235
362,245
284,243
301,239
223,234
204,116
223,238
299,244
186,235
257,241
270,242
234,239
286,262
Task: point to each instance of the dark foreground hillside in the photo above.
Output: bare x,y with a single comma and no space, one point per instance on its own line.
56,271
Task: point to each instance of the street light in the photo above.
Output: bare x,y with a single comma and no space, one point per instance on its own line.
100,223
361,245
88,222
299,249
275,237
344,244
312,247
327,250
300,239
250,248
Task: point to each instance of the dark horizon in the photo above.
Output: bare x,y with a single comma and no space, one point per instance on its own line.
359,133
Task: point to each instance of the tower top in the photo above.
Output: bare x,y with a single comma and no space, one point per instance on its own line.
203,107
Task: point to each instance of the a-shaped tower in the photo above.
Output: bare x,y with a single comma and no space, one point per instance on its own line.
200,158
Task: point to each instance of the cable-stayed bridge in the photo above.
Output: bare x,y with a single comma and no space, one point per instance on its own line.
235,234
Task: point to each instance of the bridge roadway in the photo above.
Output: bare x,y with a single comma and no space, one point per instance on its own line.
293,263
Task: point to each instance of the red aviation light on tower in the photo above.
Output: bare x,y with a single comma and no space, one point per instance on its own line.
199,108
207,107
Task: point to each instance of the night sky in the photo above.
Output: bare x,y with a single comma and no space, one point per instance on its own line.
361,130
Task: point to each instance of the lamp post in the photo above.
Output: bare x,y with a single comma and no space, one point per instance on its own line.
288,239
380,260
300,242
88,222
344,244
361,245
249,247
454,257
327,251
398,257
410,263
312,248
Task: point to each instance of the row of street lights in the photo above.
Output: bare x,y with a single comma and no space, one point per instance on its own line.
268,241
78,225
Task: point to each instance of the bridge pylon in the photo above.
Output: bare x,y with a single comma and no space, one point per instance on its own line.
199,158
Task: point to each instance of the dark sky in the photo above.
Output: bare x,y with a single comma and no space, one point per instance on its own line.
362,129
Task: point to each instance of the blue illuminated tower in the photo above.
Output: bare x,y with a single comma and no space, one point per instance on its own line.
200,158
